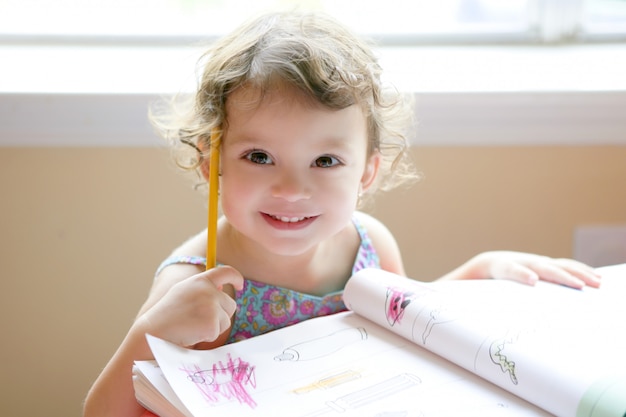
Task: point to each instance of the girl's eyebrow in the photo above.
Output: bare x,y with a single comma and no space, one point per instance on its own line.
244,140
337,142
330,141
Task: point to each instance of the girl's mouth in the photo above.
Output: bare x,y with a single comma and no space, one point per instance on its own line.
288,222
285,219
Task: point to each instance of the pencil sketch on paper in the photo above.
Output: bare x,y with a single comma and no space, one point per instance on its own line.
436,314
224,381
497,355
322,346
329,382
369,395
375,392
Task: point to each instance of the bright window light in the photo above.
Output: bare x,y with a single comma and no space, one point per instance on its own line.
391,22
209,18
604,17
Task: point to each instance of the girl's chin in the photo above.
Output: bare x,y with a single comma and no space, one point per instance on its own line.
287,249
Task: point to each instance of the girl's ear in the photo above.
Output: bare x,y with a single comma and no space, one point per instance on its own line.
371,171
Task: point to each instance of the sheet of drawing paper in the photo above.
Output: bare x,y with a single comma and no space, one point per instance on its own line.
151,387
547,343
341,365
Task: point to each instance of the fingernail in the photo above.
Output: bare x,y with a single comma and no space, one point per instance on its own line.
532,279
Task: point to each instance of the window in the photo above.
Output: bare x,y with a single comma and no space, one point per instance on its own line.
604,19
390,22
82,72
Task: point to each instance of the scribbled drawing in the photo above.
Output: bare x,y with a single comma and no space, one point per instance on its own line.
241,373
496,353
331,381
323,346
375,392
396,302
224,381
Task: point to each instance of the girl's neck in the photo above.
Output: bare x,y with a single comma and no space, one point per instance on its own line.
320,270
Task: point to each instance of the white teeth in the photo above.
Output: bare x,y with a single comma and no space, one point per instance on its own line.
285,219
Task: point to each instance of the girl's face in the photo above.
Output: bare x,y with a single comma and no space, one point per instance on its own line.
291,170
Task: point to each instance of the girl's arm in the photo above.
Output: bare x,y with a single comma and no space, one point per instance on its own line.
113,394
526,268
517,266
185,307
167,277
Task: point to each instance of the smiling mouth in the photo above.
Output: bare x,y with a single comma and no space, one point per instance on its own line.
286,219
282,222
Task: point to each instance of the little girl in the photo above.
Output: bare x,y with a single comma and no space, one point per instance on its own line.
307,132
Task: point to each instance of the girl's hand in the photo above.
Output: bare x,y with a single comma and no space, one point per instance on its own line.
194,310
528,269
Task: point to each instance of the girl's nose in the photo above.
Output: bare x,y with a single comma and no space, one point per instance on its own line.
291,186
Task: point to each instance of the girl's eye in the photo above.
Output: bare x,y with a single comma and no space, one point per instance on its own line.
259,157
326,161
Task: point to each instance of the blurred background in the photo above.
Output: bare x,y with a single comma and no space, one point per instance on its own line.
405,21
520,135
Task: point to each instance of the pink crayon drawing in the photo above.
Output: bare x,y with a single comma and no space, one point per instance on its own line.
395,304
225,381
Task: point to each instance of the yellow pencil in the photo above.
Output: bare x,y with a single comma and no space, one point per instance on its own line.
214,169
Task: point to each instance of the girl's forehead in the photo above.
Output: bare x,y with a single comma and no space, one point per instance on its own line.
289,114
282,104
249,97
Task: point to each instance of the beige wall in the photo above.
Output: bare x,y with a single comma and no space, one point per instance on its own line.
82,230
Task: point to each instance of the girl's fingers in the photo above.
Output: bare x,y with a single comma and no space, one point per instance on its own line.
514,271
530,269
550,271
224,275
588,275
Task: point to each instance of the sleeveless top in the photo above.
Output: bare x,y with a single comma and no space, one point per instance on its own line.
262,308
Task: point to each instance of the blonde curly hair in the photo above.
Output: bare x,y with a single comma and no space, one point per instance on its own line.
310,52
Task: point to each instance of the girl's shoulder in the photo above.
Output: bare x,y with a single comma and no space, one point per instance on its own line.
374,227
383,241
